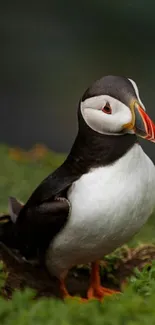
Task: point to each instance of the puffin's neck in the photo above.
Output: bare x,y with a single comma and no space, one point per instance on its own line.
92,149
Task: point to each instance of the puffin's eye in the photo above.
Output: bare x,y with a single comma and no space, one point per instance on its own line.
107,109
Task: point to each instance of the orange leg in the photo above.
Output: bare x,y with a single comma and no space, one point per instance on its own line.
63,289
96,290
65,293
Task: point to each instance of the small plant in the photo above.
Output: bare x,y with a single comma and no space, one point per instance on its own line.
143,281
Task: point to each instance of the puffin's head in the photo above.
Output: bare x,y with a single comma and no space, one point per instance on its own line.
112,106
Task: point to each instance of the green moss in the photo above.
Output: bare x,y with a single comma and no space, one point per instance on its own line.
134,307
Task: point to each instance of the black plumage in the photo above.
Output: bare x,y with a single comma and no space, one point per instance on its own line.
117,87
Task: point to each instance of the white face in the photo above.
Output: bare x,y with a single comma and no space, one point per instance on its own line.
105,114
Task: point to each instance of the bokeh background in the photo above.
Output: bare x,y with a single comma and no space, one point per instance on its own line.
51,51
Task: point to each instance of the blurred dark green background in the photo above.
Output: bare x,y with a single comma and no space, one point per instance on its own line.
52,50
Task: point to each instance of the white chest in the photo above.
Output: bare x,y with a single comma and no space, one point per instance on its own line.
109,205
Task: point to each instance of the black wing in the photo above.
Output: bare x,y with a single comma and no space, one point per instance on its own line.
35,228
56,184
46,211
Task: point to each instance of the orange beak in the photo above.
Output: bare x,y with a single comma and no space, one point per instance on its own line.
143,125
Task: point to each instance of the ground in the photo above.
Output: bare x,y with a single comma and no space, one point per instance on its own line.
20,173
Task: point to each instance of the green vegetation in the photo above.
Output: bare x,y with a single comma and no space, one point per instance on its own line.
134,307
20,173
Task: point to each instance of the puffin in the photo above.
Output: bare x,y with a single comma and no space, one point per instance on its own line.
99,197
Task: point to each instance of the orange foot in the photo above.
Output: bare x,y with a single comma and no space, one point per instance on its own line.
76,298
100,292
96,290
